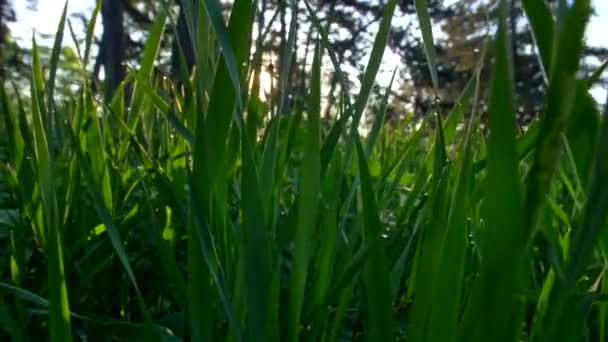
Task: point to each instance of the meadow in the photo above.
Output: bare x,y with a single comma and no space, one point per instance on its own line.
193,210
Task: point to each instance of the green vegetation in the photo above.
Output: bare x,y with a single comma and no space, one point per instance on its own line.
193,210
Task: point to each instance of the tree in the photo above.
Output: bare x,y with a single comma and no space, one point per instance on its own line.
464,25
7,15
112,49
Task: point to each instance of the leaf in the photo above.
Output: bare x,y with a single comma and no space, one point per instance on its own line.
373,65
543,27
376,277
308,201
50,86
426,27
494,312
60,328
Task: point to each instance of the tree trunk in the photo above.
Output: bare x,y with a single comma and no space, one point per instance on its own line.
113,43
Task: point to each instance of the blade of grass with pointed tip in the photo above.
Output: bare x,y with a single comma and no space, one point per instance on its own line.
426,27
378,124
328,47
494,313
308,202
542,23
376,277
91,32
230,41
225,94
444,317
60,328
373,65
149,55
457,113
55,54
286,59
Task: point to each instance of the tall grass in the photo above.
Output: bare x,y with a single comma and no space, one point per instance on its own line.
194,210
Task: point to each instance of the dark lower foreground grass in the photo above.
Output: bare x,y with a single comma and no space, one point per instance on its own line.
199,214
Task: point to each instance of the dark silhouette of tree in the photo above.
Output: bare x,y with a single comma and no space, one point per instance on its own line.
7,15
112,50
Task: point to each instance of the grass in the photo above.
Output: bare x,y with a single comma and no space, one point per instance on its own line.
204,213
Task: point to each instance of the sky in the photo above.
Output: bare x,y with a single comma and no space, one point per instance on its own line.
46,16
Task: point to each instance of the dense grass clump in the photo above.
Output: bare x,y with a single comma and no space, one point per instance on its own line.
195,212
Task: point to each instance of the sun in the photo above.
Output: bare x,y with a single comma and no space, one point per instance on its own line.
266,85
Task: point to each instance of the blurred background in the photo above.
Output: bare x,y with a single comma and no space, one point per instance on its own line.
460,29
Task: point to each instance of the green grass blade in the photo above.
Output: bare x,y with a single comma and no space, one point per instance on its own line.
373,65
150,52
60,328
231,49
562,303
96,193
543,27
457,113
55,54
224,94
308,202
376,276
558,107
257,251
328,47
424,19
378,124
444,317
91,32
494,312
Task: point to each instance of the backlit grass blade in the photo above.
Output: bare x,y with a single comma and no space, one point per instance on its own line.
308,201
225,94
146,66
376,279
328,47
231,44
373,65
289,48
378,124
60,328
494,312
90,34
55,54
424,19
543,26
